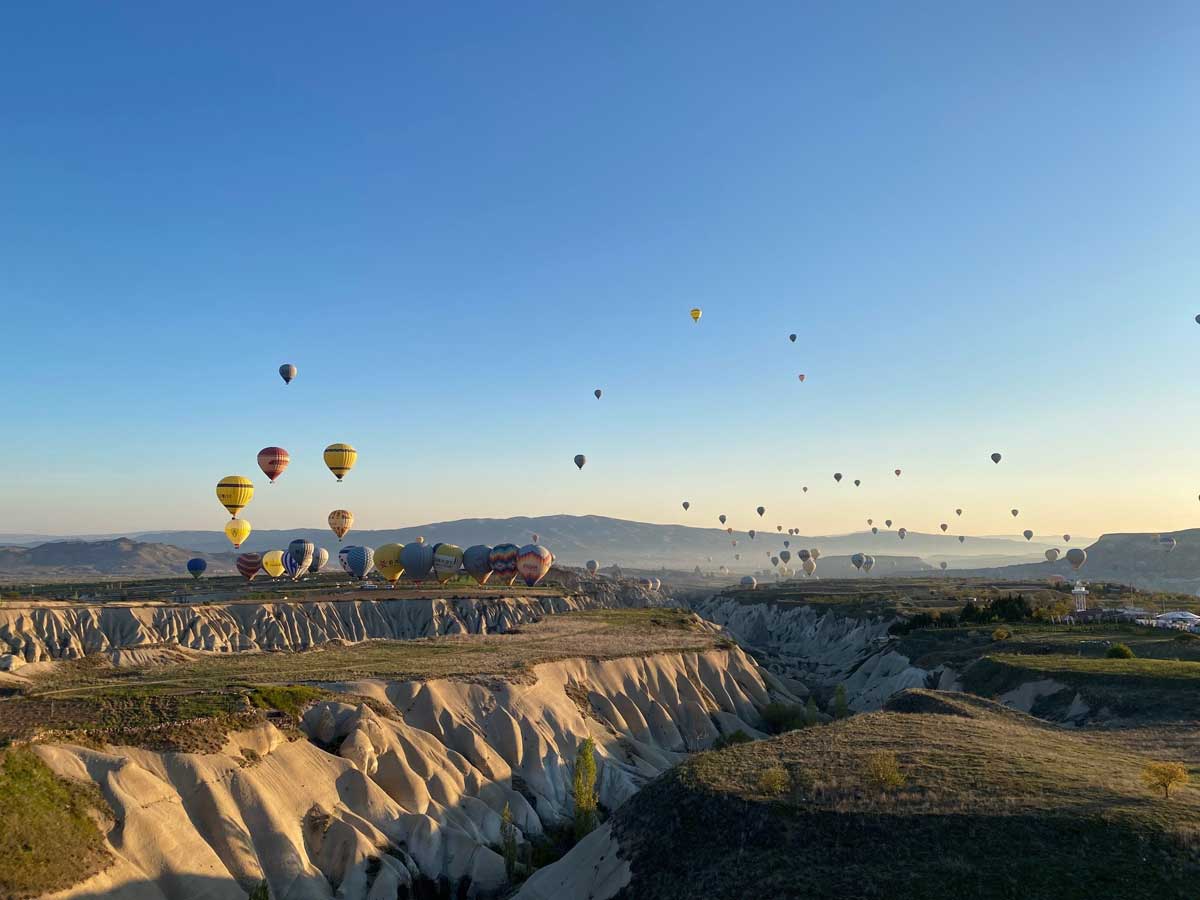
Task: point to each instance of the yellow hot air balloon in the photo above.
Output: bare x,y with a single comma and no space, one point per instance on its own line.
387,562
340,459
341,521
237,530
696,314
234,492
273,563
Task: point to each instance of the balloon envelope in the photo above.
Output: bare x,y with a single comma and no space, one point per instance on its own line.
476,560
696,313
580,459
597,392
686,506
447,560
592,566
995,457
272,461
272,563
533,563
196,567
868,564
320,558
792,337
1028,534
1076,557
341,521
301,552
503,560
249,564
357,561
809,566
234,492
287,372
417,560
340,459
387,562
761,510
237,530
857,560
748,582
1052,555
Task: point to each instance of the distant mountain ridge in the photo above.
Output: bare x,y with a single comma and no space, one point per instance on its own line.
111,558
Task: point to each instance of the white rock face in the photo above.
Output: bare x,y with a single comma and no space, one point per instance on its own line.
385,799
66,631
818,646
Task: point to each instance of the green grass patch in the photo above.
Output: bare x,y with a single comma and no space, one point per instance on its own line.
49,836
290,699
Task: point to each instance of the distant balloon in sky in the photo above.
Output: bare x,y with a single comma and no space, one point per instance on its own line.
875,529
196,567
887,523
1076,557
943,565
774,560
1015,512
903,532
721,518
857,560
801,377
1066,539
761,510
837,476
857,482
341,521
580,459
387,562
1028,534
686,506
1198,320
696,314
792,338
287,372
248,565
272,563
597,392
962,538
897,471
996,457
809,566
340,459
273,460
805,489
235,492
785,555
535,537
944,526
958,512
237,530
752,532
779,528
802,555
1052,555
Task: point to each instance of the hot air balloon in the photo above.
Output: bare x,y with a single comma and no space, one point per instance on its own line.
779,528
751,532
887,523
447,560
805,489
249,565
1028,534
816,554
748,582
774,560
291,568
1015,512
857,482
809,566
760,511
340,459
1052,555
802,555
801,377
580,459
1066,539
476,560
503,560
272,563
721,518
420,538
196,567
1076,557
696,314
356,561
320,558
686,506
535,537
301,553
958,512
870,521
857,560
903,532
287,372
237,530
943,565
897,471
792,337
533,563
341,521
234,492
868,564
592,566
1167,543
597,392
961,538
1198,320
996,457
785,555
875,529
273,460
387,562
417,560
837,476
944,527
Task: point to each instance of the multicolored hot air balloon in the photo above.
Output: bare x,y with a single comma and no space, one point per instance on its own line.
696,314
237,530
417,559
272,461
341,521
272,563
868,564
357,562
249,565
234,492
340,459
388,562
301,553
287,372
580,459
320,558
533,563
503,560
447,560
196,567
1076,557
291,568
477,562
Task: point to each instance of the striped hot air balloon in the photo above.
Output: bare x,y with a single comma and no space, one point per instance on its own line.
249,565
301,553
320,558
503,560
340,459
234,492
477,562
417,559
273,460
533,563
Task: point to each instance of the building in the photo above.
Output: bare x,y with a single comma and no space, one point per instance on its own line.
1081,597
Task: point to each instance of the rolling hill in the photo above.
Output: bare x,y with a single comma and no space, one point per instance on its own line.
105,559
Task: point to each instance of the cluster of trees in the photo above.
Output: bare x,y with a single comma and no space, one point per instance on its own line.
1009,608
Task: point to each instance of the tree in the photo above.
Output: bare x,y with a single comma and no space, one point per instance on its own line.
260,892
810,711
508,841
1164,776
841,708
1120,651
585,789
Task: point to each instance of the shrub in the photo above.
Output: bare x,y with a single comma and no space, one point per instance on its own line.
882,771
1119,651
773,781
585,789
260,892
1164,776
1001,634
811,715
841,708
508,841
728,740
781,717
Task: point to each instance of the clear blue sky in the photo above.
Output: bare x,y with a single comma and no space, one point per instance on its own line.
981,219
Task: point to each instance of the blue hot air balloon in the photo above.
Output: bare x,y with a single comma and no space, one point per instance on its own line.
476,560
196,567
417,560
356,561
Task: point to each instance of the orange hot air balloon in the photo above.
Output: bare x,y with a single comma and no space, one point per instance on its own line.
273,460
341,521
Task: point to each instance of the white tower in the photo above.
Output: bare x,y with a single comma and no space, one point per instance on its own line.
1080,594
